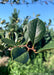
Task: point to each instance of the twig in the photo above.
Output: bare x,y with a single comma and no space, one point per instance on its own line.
28,49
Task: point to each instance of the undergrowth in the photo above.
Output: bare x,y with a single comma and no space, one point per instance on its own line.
34,66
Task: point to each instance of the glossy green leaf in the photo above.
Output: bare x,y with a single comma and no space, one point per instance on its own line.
8,41
20,55
48,46
17,52
23,58
36,30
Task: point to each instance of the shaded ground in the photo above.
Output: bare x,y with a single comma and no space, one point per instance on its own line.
3,60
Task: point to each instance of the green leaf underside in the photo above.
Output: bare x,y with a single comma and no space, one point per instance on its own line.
17,52
8,41
36,30
26,36
26,33
25,28
48,46
23,58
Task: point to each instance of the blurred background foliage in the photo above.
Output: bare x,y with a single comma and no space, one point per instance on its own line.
26,1
13,35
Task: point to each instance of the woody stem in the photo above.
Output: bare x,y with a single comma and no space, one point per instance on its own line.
28,48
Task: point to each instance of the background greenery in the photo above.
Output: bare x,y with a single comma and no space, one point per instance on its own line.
42,62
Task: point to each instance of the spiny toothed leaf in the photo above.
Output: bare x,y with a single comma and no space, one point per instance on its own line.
8,41
20,55
36,30
48,46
